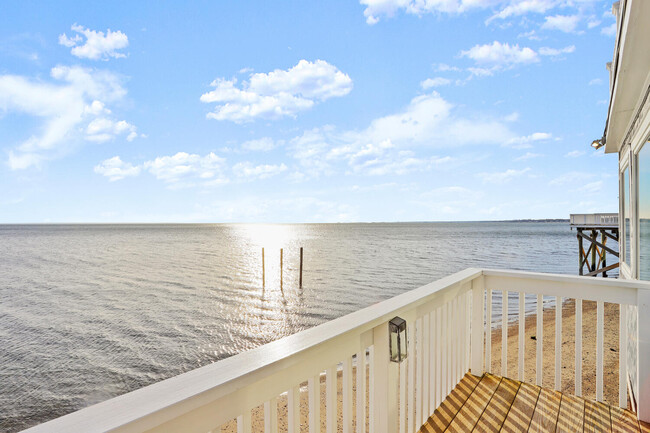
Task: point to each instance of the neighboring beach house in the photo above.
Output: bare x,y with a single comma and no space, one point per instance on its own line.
435,369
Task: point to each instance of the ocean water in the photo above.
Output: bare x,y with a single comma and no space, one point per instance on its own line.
89,312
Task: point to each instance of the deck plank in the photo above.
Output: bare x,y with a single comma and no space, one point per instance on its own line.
471,411
623,421
497,409
597,417
572,415
522,409
546,412
445,413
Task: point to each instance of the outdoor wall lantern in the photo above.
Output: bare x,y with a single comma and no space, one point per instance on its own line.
397,329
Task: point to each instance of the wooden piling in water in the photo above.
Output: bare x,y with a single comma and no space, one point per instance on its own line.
263,270
300,284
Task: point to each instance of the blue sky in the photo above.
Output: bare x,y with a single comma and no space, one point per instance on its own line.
379,110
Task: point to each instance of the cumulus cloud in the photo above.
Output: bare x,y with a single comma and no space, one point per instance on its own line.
609,30
553,52
435,82
428,122
249,171
387,8
278,93
497,56
564,23
503,176
522,7
263,144
97,45
71,102
185,169
524,142
115,169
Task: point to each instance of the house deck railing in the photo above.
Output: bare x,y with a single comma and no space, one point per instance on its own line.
593,219
448,334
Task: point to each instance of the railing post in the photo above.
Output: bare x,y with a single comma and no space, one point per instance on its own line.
385,383
643,360
478,300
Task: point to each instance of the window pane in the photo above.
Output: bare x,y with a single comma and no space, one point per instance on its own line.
644,213
626,213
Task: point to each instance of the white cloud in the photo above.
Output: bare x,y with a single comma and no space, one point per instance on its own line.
504,176
526,141
427,122
69,104
522,7
262,171
97,46
102,129
527,156
595,82
572,177
263,144
435,82
610,30
575,153
185,169
277,94
546,51
591,187
499,56
115,169
387,8
564,23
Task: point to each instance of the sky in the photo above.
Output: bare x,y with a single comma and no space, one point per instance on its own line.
294,111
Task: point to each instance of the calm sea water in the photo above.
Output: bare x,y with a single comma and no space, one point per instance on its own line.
89,312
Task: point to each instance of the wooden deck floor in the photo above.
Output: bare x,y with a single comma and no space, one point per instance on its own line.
495,404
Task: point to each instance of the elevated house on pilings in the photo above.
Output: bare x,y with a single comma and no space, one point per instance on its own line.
593,232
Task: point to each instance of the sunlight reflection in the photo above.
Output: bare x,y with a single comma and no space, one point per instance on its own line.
268,235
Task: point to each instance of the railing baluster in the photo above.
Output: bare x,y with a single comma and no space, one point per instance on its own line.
439,323
330,399
402,397
313,389
432,362
271,416
488,333
558,343
361,391
371,389
426,366
410,329
448,351
347,394
244,422
600,323
540,330
418,374
468,331
293,409
578,369
504,333
522,336
478,324
622,357
456,343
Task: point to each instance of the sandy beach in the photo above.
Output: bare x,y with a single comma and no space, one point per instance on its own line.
610,357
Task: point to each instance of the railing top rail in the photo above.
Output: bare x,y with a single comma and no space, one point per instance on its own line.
573,279
155,404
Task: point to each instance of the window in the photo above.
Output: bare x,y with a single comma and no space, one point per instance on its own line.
625,214
644,212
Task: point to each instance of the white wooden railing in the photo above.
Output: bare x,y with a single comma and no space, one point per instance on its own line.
448,333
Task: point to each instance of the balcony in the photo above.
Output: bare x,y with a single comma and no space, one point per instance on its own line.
309,381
